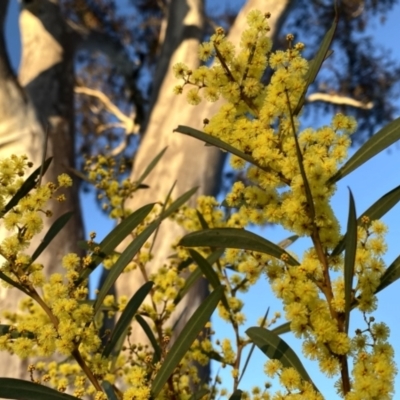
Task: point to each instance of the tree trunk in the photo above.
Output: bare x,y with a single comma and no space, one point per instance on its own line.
40,101
187,161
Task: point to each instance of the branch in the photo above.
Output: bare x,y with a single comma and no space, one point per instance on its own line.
95,41
127,121
340,100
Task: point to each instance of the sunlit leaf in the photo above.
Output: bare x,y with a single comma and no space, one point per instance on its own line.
125,319
285,243
391,275
276,348
58,224
182,344
124,259
179,202
316,63
235,239
151,166
350,258
211,140
246,363
164,205
376,211
374,145
115,237
281,329
19,389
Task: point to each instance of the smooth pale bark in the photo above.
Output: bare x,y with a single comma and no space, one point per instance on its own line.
40,100
187,161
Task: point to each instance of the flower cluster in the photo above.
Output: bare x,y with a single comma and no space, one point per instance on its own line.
104,173
287,181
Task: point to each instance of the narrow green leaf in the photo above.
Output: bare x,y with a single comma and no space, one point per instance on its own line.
124,259
350,258
235,239
180,201
182,344
276,348
236,395
281,329
190,281
203,222
128,254
252,349
84,245
209,273
14,334
196,274
115,237
391,275
26,187
149,333
206,268
288,241
315,64
160,219
81,176
5,278
19,389
199,394
380,141
151,166
125,319
58,224
109,390
376,211
204,137
213,355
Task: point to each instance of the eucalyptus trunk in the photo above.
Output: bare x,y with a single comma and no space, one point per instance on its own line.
187,161
37,106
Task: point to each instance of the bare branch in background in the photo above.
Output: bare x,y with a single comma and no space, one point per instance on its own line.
95,41
127,121
339,100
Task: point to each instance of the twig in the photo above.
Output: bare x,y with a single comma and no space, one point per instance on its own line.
340,100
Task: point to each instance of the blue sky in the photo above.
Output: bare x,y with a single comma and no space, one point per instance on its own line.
370,182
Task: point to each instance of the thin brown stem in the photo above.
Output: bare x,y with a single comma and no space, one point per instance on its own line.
326,286
344,371
81,362
248,101
34,294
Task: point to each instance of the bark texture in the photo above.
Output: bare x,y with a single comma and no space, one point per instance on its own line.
187,161
40,100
